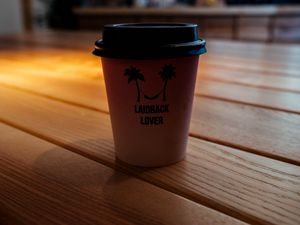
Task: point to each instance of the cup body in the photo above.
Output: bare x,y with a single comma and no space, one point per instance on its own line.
150,71
150,103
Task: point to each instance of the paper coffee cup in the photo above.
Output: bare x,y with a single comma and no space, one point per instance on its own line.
150,72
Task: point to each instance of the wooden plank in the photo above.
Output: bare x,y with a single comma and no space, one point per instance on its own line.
279,56
83,40
92,95
255,96
79,70
253,78
79,61
64,85
262,131
43,62
42,183
239,48
88,98
83,92
62,39
207,66
46,61
280,60
255,189
219,120
259,67
90,68
264,62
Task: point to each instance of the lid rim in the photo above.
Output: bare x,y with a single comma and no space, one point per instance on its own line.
162,53
100,44
149,39
146,25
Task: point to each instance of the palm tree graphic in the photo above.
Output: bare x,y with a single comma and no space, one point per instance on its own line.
167,73
134,74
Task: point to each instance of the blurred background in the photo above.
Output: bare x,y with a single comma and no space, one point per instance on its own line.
248,20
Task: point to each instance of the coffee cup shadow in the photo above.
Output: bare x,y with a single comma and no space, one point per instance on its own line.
70,162
99,180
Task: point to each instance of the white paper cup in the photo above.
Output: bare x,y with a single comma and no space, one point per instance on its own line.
150,93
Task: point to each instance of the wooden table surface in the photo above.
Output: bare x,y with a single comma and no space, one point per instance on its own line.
57,163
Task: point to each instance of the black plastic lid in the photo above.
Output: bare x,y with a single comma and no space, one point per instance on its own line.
149,40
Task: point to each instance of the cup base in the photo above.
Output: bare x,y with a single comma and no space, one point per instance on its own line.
149,165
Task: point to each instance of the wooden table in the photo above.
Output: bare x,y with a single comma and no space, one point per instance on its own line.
57,163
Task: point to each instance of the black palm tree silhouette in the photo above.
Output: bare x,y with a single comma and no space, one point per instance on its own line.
135,74
167,73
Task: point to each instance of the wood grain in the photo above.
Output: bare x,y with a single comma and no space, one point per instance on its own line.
86,66
211,119
276,59
50,62
42,183
252,79
249,187
255,96
49,39
260,52
71,77
266,132
275,51
253,68
81,62
93,95
289,65
207,68
261,58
